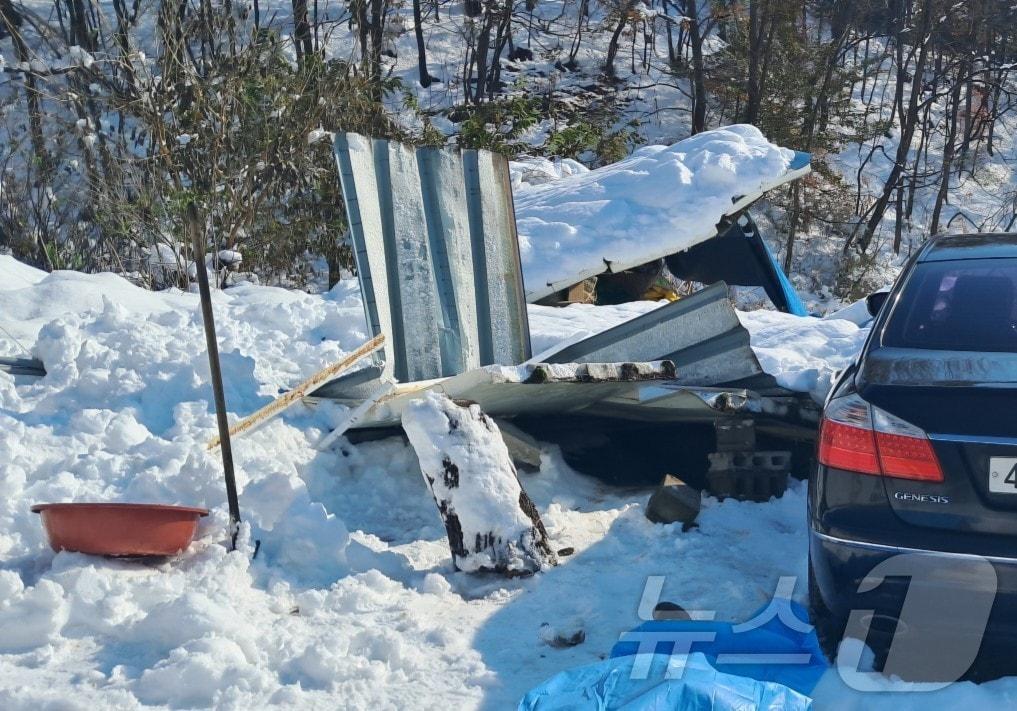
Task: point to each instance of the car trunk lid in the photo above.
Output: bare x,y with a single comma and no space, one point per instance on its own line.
965,402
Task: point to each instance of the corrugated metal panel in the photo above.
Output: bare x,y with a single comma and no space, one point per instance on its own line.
632,391
701,334
22,366
525,389
435,242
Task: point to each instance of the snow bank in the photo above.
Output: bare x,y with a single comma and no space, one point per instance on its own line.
856,312
527,172
351,600
803,353
659,200
15,275
552,327
122,415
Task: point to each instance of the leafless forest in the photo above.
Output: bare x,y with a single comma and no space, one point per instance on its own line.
114,115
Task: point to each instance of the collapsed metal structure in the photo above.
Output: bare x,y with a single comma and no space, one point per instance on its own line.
437,257
438,261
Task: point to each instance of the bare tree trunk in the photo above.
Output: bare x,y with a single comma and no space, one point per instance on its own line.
997,90
691,10
612,45
907,131
11,20
923,151
480,58
578,39
502,38
949,148
841,24
301,30
358,11
758,21
370,18
418,32
898,224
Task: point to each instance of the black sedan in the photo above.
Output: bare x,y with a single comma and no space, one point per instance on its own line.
913,507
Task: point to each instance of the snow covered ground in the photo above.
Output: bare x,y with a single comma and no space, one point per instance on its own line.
351,601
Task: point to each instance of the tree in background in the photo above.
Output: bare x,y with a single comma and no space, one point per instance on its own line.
100,142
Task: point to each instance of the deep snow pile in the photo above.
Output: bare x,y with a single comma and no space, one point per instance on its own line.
351,601
659,200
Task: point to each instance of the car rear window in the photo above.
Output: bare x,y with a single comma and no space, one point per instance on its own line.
966,305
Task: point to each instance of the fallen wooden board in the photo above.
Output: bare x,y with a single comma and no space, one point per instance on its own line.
354,416
290,398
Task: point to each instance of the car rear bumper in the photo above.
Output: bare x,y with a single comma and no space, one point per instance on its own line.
840,565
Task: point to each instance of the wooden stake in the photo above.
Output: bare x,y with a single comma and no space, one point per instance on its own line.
290,398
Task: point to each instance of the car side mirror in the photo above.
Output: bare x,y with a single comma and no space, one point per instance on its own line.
874,302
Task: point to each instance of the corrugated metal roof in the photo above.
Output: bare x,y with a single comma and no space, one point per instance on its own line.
701,334
435,241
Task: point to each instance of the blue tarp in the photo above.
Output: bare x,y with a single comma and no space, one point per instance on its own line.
771,662
738,255
793,302
609,685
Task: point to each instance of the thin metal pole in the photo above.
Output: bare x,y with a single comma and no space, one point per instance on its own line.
198,242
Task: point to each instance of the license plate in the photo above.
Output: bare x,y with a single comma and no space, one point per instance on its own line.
1003,475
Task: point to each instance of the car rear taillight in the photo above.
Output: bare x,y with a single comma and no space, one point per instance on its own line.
846,437
859,437
904,450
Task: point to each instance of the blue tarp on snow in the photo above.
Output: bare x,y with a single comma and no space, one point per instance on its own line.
610,685
771,662
782,649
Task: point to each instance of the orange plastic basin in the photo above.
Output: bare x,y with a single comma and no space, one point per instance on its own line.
119,529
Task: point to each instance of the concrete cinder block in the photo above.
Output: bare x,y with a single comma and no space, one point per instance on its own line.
674,501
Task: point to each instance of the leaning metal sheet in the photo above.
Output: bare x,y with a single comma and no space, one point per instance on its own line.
435,242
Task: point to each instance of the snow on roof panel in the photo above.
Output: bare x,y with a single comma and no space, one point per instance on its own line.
658,201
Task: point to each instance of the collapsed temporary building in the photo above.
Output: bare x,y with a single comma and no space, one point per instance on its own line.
446,279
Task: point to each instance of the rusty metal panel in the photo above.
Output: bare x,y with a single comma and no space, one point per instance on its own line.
434,236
